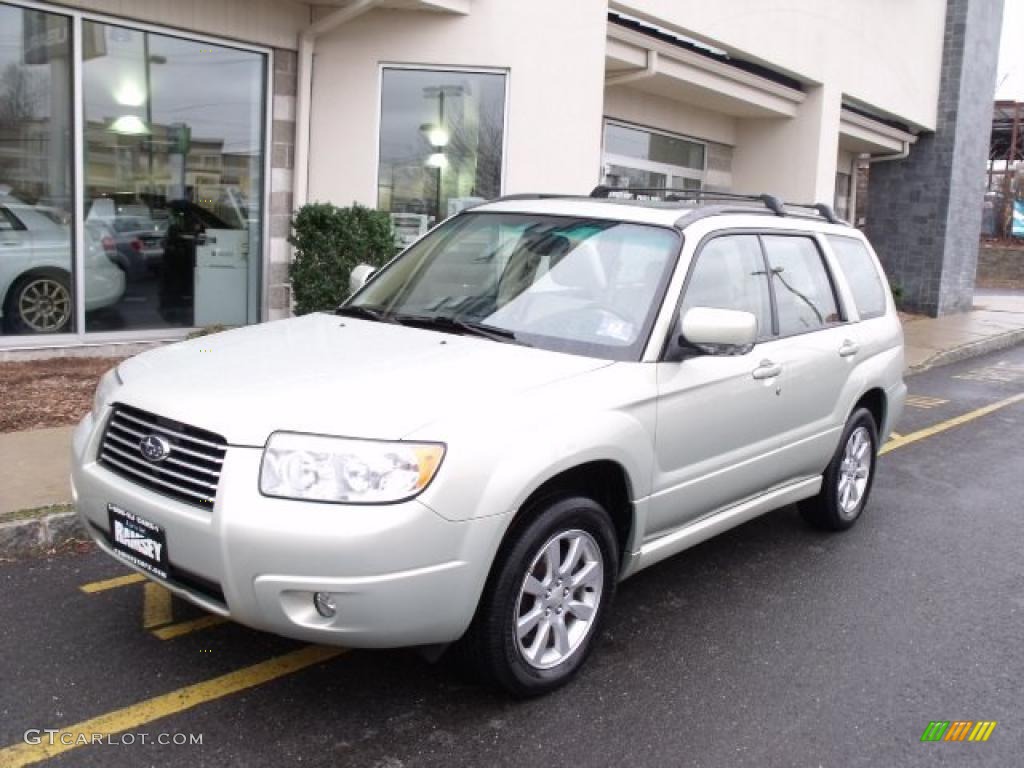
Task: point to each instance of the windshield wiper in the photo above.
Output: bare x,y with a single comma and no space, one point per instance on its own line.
365,313
455,325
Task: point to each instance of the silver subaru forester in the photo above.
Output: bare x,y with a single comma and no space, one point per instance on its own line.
537,399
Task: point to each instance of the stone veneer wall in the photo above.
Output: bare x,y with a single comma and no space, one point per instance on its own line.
282,164
925,211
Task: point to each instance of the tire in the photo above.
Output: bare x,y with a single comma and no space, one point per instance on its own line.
561,624
847,482
39,302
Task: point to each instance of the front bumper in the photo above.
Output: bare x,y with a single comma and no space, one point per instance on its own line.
400,574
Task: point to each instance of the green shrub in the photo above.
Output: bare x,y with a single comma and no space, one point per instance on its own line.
329,242
897,292
207,330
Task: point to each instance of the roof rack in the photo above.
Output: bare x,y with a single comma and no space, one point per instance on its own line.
775,205
529,196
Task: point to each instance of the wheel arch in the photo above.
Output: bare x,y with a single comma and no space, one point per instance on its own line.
876,402
606,481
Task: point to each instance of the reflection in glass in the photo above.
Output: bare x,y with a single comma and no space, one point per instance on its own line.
804,297
639,159
36,283
657,147
441,139
174,176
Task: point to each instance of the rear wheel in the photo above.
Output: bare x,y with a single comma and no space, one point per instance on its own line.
545,599
39,303
847,481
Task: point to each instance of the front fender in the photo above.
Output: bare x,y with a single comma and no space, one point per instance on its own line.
495,460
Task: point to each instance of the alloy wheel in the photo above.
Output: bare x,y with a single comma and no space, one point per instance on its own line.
559,599
854,472
44,305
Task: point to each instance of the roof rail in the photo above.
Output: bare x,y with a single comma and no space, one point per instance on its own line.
529,196
825,210
773,203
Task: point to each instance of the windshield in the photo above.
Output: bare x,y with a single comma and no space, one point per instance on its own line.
583,286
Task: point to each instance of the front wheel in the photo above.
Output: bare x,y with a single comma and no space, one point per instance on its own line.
545,599
847,481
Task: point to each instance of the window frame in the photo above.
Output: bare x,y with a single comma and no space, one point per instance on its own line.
699,253
650,166
79,337
883,280
667,355
421,67
841,308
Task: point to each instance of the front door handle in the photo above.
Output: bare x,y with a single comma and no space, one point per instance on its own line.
767,370
849,348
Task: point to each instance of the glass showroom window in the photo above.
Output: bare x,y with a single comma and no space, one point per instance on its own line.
37,293
173,175
635,157
441,144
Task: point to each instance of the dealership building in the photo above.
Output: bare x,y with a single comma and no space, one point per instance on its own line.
152,152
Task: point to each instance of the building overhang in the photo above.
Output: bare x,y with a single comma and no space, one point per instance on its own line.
636,60
460,7
862,135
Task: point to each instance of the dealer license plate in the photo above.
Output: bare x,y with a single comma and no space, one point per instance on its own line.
138,541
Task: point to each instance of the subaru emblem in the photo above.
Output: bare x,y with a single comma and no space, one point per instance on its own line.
154,447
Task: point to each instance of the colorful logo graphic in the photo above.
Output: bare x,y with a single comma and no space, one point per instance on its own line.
958,730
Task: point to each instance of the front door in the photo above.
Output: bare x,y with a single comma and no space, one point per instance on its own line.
718,417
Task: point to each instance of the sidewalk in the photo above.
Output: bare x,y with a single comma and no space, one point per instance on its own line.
996,322
34,464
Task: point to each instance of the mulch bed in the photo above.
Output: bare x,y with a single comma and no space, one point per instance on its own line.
49,393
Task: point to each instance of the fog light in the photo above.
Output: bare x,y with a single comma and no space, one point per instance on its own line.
324,604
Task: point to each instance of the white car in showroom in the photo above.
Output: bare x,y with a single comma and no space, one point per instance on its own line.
35,269
535,400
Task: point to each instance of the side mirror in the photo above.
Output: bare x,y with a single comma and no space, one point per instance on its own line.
718,331
358,277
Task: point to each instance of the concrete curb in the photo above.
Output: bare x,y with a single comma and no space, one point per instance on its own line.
967,351
39,535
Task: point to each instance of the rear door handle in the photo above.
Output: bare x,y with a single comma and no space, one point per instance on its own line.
767,370
849,348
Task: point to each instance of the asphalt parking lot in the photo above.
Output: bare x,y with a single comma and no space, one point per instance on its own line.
772,645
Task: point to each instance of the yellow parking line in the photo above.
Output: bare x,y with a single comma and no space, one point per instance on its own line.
185,627
144,712
156,606
956,421
120,581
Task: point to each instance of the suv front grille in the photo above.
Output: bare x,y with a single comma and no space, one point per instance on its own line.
189,472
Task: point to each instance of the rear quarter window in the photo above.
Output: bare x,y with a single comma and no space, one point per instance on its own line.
861,274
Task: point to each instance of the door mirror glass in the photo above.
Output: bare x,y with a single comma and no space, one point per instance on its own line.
718,331
358,277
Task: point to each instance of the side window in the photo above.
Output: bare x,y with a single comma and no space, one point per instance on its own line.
8,221
865,282
730,274
803,291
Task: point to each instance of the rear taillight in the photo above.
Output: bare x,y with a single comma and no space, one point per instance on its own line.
108,244
136,245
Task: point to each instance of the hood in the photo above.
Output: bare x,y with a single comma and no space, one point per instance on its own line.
335,376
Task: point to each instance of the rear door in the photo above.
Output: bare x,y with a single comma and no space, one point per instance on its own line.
816,347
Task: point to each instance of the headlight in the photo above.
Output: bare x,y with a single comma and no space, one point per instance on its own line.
108,384
297,466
